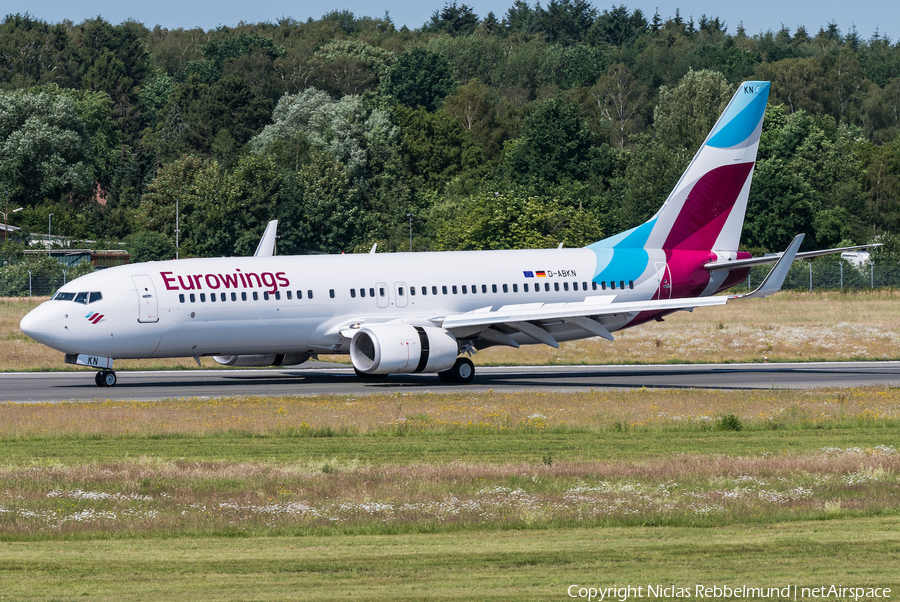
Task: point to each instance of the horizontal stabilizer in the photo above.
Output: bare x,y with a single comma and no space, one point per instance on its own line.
753,261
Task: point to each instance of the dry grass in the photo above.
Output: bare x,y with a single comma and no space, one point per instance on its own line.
148,496
790,326
455,412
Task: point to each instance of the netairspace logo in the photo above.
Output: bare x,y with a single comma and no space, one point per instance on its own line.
723,592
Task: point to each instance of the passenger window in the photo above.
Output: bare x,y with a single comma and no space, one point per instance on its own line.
353,293
234,296
465,289
243,296
444,289
331,293
493,288
399,291
631,284
255,296
506,288
265,295
574,286
412,291
371,292
212,297
546,287
309,294
181,297
362,292
381,291
434,290
556,286
424,290
203,297
453,288
81,298
193,298
515,288
278,295
593,285
484,288
525,288
95,297
584,286
621,284
612,284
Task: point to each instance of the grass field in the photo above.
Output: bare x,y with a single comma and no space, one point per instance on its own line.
789,326
453,497
469,496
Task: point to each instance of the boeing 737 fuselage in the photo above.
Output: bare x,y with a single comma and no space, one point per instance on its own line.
417,312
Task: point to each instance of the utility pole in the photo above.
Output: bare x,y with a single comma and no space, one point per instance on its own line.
176,228
49,244
410,216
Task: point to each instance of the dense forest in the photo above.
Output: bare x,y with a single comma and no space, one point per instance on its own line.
563,123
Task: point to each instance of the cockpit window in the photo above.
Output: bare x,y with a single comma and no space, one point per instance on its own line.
64,296
81,298
96,296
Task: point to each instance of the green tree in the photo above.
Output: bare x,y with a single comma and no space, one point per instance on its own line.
685,114
514,217
556,144
44,147
436,146
147,245
419,78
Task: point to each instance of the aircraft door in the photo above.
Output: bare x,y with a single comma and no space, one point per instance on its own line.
665,281
382,294
401,294
148,306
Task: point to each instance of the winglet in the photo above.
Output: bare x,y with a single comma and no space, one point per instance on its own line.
775,279
266,247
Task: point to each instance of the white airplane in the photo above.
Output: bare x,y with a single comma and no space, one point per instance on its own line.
418,312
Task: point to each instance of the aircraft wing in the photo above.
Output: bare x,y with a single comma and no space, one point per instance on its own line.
590,315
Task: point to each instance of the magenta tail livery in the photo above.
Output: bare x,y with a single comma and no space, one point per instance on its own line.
418,312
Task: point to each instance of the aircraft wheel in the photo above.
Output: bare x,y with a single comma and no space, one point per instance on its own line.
462,372
98,379
106,378
367,376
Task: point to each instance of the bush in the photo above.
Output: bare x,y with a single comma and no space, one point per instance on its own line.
729,422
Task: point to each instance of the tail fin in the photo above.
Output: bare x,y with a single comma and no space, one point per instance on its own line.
706,208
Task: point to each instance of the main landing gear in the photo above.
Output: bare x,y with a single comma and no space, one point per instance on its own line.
105,378
462,372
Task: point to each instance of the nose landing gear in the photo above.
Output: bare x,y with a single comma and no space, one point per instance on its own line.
105,378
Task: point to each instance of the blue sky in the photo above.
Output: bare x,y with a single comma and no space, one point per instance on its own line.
759,15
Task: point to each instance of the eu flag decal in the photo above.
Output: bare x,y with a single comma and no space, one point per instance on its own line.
529,274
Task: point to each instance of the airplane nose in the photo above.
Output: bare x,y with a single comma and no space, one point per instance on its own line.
39,326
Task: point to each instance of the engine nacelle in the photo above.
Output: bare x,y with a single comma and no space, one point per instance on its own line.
268,359
402,348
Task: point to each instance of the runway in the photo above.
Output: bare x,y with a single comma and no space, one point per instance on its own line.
318,378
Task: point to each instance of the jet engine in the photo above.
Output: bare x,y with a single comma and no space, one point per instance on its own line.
402,348
268,359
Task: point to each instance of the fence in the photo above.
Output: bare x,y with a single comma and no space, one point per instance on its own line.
30,284
812,275
803,275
